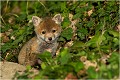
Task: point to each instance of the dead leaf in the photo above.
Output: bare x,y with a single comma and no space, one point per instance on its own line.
16,10
7,33
12,37
83,58
69,44
4,37
118,28
104,58
11,20
89,63
70,16
70,76
90,12
81,72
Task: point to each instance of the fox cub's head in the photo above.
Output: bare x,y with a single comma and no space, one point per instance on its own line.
47,29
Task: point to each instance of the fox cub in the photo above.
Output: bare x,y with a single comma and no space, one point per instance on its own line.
47,32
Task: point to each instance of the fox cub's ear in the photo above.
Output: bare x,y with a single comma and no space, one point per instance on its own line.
36,20
57,18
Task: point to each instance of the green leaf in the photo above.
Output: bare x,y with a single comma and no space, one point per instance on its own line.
20,38
114,57
4,27
67,33
81,53
66,22
61,39
64,56
43,65
96,40
78,44
77,66
63,6
81,35
99,26
29,17
82,32
28,67
92,73
77,15
6,47
90,23
116,41
114,33
45,55
22,17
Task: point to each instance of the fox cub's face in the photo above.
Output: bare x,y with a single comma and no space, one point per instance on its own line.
47,29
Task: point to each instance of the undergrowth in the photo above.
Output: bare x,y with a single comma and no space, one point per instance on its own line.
89,49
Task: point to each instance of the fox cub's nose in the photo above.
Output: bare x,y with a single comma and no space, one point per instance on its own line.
50,38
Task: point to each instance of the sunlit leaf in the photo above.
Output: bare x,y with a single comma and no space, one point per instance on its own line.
65,56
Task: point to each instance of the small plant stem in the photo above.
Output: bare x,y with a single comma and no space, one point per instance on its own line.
27,8
2,20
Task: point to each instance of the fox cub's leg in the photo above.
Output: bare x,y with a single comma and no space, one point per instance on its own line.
27,55
54,49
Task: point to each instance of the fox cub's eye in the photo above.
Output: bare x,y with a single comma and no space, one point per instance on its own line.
53,31
43,32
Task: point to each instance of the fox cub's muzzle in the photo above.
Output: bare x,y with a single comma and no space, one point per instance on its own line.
50,37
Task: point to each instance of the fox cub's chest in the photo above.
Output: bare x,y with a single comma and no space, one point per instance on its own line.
47,47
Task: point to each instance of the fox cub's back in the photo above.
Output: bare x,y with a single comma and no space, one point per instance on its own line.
47,32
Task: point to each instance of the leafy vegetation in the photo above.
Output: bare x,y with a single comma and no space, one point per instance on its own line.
89,48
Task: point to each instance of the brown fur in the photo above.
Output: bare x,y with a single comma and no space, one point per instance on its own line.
47,24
